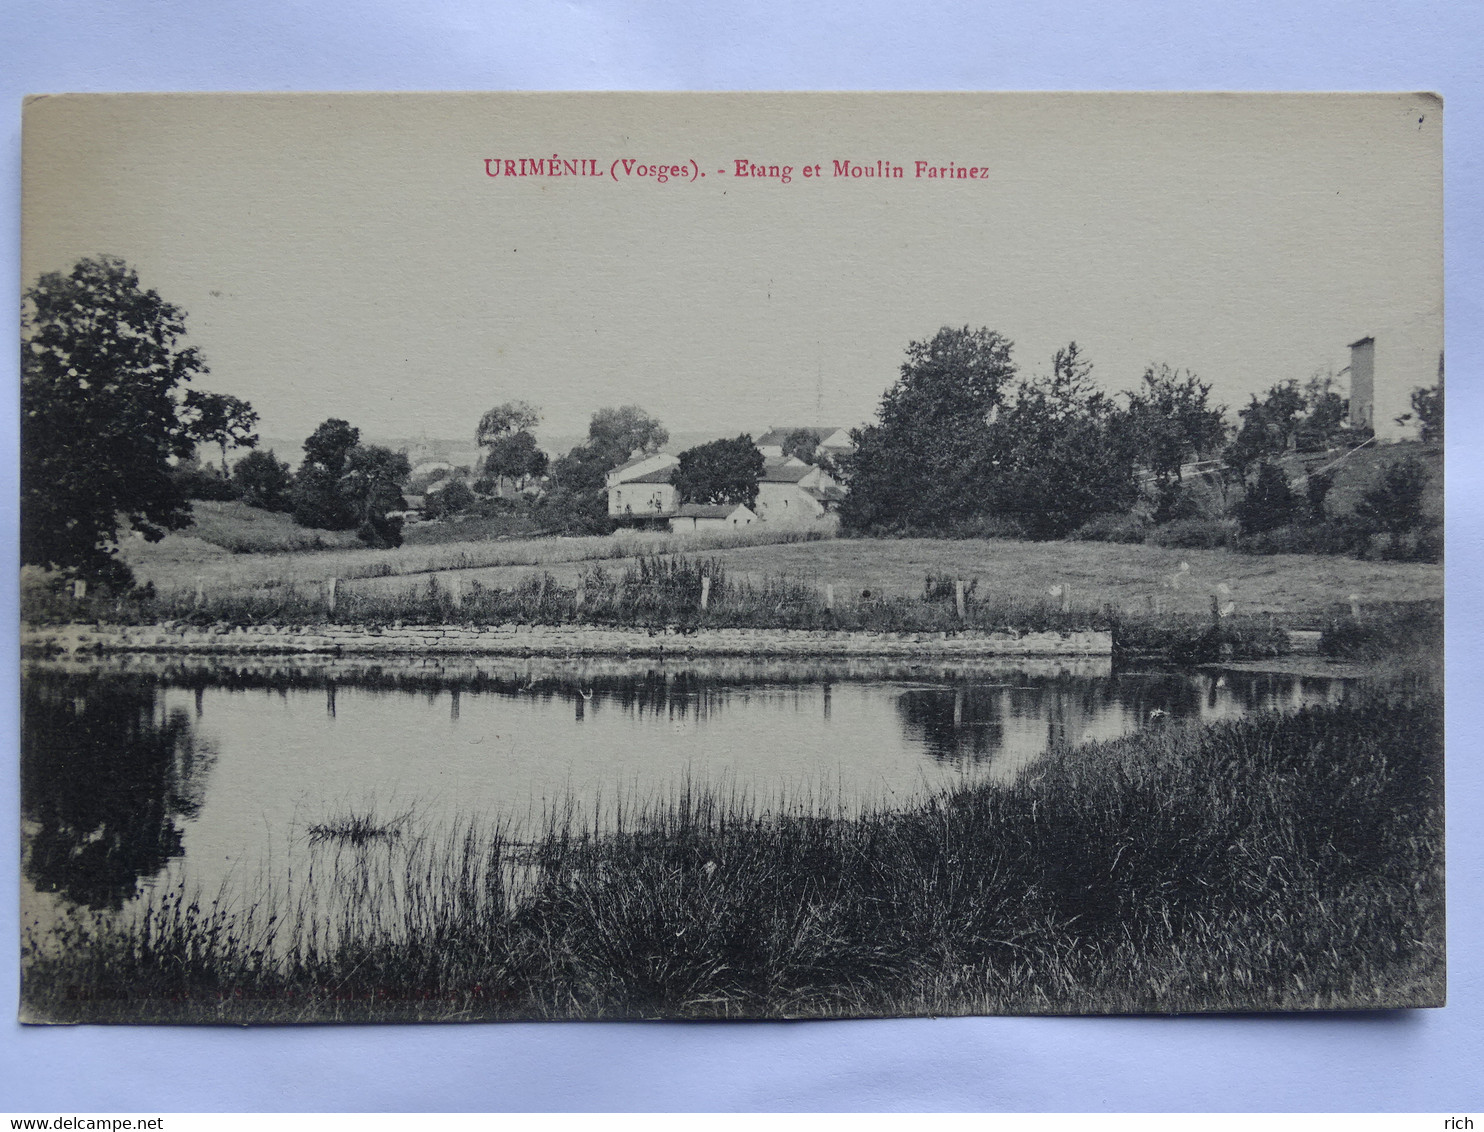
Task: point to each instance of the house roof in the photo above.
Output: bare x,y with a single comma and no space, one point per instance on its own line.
776,436
829,494
779,472
659,475
637,460
710,510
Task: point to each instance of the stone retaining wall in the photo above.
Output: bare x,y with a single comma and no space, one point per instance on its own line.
551,640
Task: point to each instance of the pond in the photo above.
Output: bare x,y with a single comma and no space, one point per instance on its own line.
144,772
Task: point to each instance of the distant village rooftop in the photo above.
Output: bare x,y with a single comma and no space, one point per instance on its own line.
785,471
826,436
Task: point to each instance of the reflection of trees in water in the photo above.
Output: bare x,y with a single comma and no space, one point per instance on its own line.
968,723
106,778
954,724
655,695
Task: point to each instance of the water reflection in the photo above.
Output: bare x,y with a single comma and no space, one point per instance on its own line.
970,725
108,776
117,760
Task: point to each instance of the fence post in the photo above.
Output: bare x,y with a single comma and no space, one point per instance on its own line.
1354,600
705,591
79,588
581,593
829,596
330,586
200,590
958,599
456,591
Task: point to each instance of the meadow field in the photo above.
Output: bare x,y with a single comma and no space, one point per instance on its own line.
235,546
1133,579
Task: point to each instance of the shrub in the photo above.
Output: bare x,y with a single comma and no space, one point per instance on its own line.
1336,536
449,500
944,587
1422,545
1188,499
1316,489
1393,504
1194,639
1201,534
1269,502
381,531
502,506
263,480
204,483
1385,632
1112,528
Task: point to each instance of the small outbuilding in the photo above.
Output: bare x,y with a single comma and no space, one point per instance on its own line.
711,517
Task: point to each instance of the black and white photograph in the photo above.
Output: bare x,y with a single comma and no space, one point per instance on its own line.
618,556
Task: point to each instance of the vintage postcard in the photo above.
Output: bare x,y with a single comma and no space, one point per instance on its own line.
588,556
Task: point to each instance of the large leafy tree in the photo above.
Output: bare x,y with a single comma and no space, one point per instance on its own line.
103,365
505,431
1172,421
1060,452
1326,412
724,471
372,486
317,496
512,416
923,465
1427,405
576,496
618,433
514,456
223,420
801,444
1268,425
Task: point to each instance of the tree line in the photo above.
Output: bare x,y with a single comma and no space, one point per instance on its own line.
965,444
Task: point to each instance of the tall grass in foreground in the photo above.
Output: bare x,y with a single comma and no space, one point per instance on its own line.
1276,862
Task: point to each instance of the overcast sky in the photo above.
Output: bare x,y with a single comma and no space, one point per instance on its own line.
349,256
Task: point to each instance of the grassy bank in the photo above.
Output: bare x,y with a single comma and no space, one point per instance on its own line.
1281,861
667,592
650,592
